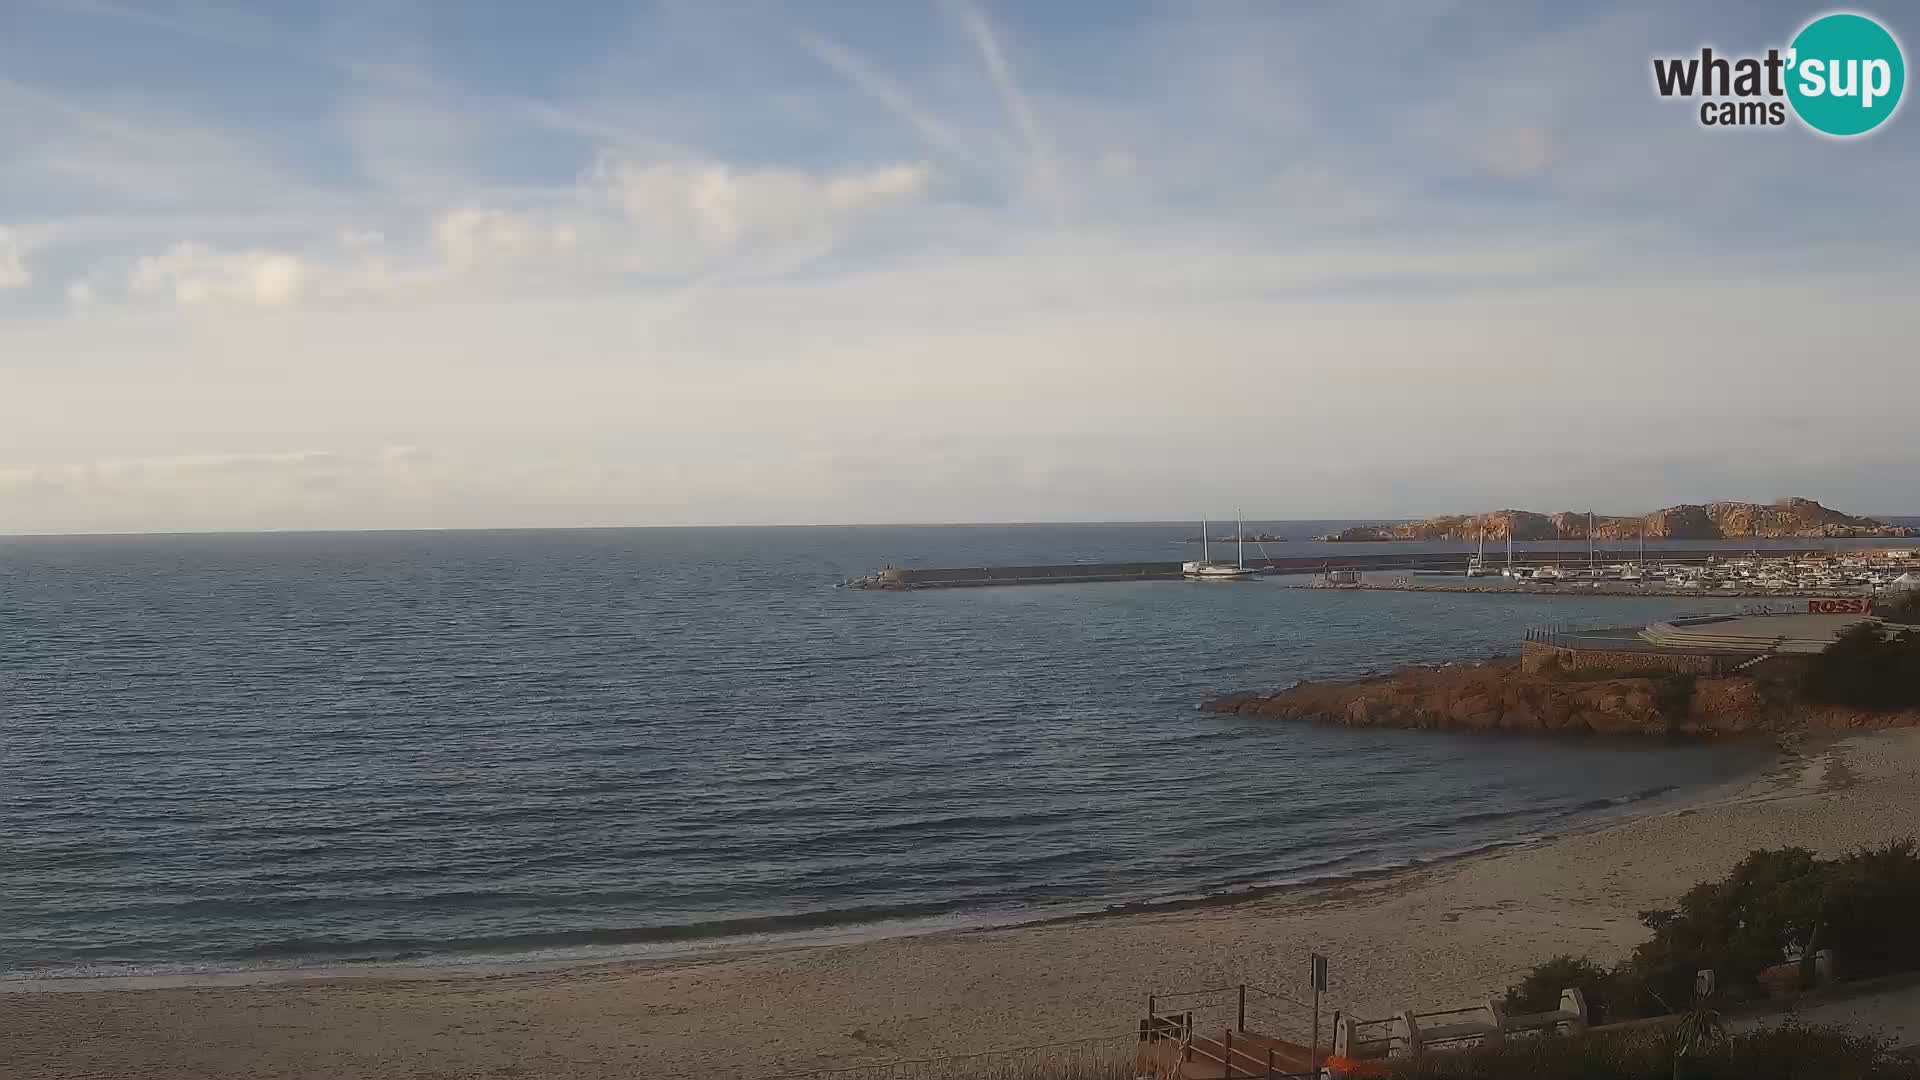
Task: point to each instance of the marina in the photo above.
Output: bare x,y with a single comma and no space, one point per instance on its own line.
1591,571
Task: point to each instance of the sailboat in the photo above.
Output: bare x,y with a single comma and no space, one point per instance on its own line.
1511,571
1208,570
1632,573
1477,565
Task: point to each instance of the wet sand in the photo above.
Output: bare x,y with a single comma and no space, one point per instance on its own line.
1436,936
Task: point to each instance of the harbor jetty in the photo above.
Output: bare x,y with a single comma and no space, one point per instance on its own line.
898,578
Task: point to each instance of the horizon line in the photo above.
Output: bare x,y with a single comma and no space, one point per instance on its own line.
1087,523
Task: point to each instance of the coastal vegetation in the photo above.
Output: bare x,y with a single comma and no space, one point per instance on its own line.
1758,929
1785,1053
1790,1052
1868,678
1869,684
1869,667
1899,606
1791,517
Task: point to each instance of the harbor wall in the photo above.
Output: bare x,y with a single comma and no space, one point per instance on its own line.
1059,573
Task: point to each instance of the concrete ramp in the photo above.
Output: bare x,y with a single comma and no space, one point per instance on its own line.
1752,633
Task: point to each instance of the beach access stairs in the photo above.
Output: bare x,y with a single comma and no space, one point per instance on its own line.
1205,1035
1361,1046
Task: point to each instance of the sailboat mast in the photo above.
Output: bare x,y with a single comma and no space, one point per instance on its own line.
1592,559
1240,536
1206,554
1509,532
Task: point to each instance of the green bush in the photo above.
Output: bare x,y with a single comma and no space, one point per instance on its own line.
1540,991
1770,904
1870,915
1791,1052
1773,905
1902,606
1869,668
1787,1053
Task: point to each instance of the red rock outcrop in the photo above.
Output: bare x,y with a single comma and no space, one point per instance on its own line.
1497,696
1794,517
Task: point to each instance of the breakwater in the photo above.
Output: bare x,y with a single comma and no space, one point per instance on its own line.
894,577
906,578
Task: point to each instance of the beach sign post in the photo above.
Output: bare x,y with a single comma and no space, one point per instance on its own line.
1318,974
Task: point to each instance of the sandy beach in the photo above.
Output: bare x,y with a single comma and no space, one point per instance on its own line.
1435,936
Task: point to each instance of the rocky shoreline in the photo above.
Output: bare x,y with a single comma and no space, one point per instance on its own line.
1497,696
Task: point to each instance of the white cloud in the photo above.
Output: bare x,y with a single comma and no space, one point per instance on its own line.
474,237
855,190
715,206
1118,165
638,300
13,259
1517,151
195,274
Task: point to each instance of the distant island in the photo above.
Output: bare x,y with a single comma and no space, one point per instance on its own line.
1688,521
1251,538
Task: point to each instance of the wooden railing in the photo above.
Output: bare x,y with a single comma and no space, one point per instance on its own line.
1238,1051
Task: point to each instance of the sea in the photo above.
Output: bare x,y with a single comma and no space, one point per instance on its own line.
293,751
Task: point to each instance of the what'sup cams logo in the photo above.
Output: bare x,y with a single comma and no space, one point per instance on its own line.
1842,75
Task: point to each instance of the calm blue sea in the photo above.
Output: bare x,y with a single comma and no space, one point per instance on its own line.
231,752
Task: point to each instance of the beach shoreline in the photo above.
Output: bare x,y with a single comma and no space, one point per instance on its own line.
1434,935
1790,752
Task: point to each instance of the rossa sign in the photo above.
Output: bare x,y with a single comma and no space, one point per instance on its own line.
1839,605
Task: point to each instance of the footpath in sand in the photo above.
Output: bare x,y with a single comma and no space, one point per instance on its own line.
1438,936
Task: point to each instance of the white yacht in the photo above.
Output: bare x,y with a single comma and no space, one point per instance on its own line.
1207,570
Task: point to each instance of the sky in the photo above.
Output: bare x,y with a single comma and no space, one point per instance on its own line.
469,264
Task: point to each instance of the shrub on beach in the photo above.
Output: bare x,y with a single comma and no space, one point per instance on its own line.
1867,667
1773,905
1872,897
1739,926
1540,991
1780,903
1786,1053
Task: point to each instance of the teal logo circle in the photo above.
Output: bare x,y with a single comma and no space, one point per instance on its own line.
1845,74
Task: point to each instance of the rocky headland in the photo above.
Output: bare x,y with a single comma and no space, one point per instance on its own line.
1499,696
1788,518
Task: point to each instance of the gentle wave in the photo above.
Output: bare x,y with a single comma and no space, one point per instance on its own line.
399,948
250,751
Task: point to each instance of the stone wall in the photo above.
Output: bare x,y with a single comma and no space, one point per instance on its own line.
1538,656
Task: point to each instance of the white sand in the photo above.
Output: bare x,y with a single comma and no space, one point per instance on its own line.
1434,937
